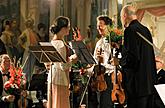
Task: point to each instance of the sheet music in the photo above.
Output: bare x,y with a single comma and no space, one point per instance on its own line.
32,95
161,91
82,52
46,52
45,43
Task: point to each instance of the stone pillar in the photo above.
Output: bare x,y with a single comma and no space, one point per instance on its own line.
87,12
93,21
80,15
73,12
34,12
23,13
29,9
113,11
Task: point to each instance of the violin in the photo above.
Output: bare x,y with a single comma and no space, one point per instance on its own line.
99,82
117,94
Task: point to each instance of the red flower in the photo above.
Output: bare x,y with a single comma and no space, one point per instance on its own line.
12,79
82,72
7,85
16,80
118,31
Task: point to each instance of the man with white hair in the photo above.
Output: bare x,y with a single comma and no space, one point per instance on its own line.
160,70
160,80
138,61
5,64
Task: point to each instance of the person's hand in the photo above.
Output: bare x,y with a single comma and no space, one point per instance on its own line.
44,103
99,51
10,98
114,61
47,66
82,71
99,55
73,58
100,58
24,93
89,65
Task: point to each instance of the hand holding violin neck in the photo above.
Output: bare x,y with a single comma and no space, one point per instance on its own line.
99,55
100,58
114,61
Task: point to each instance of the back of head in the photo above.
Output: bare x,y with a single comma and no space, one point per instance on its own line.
5,22
106,19
128,13
59,23
129,10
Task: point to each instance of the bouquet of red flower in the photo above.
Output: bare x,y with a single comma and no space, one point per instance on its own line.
16,81
115,35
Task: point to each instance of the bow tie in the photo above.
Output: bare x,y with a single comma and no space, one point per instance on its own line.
6,74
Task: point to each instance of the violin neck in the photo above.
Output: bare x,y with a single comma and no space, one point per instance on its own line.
115,74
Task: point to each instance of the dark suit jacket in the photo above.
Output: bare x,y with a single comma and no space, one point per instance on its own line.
2,103
161,77
160,80
2,47
1,84
138,61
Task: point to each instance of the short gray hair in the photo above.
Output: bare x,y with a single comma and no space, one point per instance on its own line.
129,10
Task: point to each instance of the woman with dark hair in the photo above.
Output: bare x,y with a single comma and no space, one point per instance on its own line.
6,38
58,77
43,36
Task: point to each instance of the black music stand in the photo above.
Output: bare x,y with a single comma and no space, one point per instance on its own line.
85,57
46,53
82,52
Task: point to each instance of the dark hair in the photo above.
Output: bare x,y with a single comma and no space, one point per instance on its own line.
41,25
4,23
106,19
59,23
7,22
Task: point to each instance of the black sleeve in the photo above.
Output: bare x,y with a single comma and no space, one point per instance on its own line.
2,48
129,50
1,84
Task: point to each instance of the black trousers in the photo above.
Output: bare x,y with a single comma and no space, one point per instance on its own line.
141,102
105,96
158,101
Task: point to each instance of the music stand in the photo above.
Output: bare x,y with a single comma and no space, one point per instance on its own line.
84,56
82,52
46,53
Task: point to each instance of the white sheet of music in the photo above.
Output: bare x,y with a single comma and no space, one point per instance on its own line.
45,43
161,91
32,95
